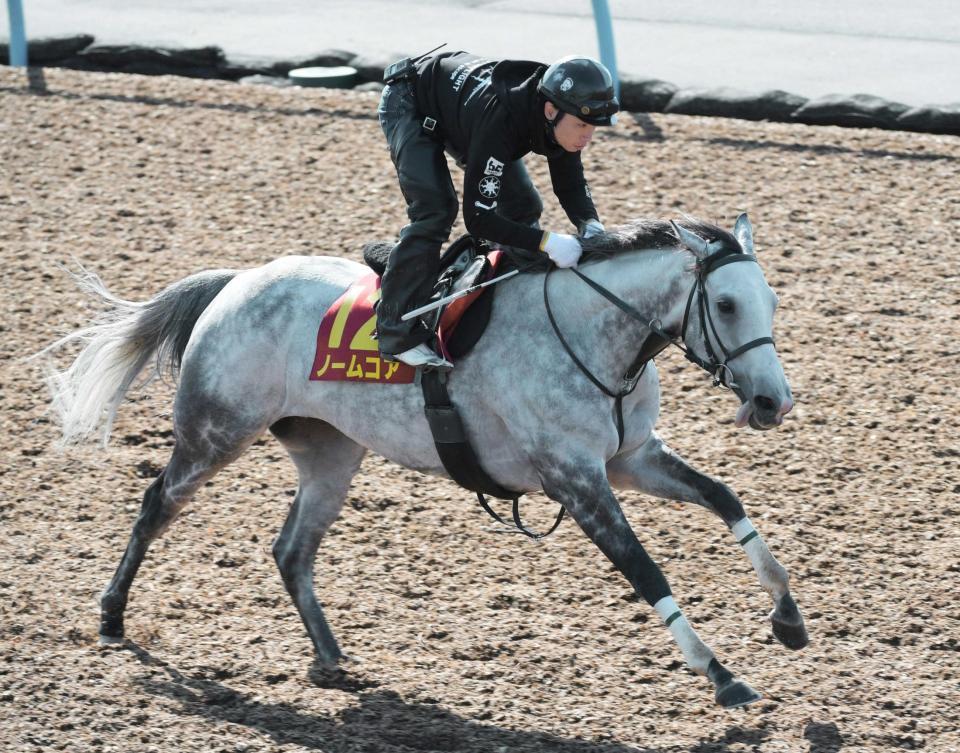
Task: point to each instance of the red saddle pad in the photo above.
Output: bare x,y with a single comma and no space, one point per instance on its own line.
346,349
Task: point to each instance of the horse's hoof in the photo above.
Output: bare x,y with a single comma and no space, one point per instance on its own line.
787,622
332,664
791,635
343,663
736,693
111,640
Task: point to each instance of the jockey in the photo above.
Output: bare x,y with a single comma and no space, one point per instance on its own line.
487,115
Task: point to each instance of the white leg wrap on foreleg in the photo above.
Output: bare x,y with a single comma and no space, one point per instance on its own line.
695,651
772,575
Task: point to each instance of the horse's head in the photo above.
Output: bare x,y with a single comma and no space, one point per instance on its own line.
728,324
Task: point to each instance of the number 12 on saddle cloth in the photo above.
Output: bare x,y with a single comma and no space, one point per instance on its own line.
346,348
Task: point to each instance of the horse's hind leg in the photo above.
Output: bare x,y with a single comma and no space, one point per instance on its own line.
655,469
326,461
192,464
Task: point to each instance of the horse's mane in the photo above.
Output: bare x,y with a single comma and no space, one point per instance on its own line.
652,234
633,236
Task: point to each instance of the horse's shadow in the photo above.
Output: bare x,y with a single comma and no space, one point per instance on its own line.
823,738
379,720
736,735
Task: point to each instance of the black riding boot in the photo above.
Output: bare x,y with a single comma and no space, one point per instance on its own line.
406,284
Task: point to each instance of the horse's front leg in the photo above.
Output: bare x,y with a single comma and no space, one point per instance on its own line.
655,469
581,486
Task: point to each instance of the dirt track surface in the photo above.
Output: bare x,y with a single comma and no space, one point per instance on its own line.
467,639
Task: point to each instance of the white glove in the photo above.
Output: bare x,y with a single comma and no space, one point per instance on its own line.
591,228
563,249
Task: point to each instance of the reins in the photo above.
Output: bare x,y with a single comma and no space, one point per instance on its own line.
631,377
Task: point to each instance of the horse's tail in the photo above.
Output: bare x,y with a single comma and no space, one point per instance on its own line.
118,344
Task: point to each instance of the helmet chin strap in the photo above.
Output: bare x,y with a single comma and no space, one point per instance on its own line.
552,124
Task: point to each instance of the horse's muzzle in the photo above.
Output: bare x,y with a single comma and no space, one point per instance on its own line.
763,413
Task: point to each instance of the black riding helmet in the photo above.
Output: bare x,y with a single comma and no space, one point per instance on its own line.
583,87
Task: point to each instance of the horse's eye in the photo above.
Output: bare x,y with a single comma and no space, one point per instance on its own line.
725,306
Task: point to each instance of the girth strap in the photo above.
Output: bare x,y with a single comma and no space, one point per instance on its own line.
457,455
456,452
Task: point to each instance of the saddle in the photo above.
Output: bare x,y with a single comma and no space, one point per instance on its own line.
347,348
466,262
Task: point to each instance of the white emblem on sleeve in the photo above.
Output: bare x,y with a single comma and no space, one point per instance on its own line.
494,167
490,187
492,205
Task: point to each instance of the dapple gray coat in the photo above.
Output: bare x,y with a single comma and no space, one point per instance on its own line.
245,341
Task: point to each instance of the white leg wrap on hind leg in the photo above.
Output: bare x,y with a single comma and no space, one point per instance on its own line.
773,577
695,651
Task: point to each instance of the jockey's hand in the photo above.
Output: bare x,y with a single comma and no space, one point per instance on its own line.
563,249
591,228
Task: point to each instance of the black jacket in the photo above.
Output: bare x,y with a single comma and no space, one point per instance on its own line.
489,113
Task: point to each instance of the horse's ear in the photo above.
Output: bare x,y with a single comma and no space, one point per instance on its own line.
691,240
743,232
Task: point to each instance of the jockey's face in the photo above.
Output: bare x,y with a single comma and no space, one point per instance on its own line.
571,133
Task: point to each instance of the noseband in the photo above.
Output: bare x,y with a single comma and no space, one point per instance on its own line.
659,339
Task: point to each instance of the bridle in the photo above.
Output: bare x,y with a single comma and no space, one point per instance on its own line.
659,339
716,367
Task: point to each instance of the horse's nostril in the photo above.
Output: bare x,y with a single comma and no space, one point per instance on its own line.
765,404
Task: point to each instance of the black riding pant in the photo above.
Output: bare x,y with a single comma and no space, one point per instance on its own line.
432,208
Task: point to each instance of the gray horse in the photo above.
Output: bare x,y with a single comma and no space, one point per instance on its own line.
243,342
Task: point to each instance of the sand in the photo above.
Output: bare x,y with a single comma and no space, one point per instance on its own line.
467,639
